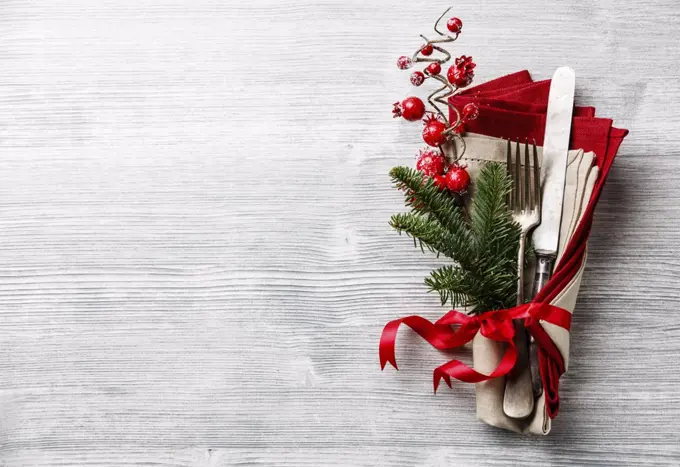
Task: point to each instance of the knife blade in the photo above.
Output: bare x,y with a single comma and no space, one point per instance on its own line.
546,237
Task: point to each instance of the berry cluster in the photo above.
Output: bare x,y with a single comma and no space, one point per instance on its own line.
452,177
438,130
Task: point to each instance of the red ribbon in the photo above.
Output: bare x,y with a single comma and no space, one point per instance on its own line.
496,325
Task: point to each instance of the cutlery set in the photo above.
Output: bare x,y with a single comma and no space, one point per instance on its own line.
536,201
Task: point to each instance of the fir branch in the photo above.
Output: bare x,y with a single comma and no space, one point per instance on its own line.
452,285
485,247
464,288
425,198
496,237
427,231
490,219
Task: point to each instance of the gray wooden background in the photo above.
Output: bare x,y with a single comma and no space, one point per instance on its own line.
195,261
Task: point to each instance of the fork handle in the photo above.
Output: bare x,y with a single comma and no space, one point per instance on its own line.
518,398
520,268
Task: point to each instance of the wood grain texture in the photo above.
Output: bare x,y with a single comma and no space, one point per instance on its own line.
195,261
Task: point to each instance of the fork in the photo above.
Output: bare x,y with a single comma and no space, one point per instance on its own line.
524,200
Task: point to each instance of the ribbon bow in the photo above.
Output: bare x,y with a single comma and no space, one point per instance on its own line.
496,325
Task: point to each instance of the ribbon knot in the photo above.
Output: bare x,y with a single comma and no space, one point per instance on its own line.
496,328
497,325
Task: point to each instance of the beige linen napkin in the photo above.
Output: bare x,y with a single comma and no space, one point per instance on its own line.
581,177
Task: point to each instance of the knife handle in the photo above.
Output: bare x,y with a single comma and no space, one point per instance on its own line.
544,267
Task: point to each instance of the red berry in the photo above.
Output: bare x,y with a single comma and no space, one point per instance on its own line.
404,62
433,133
470,111
427,49
417,78
431,163
454,25
410,108
458,79
434,68
460,74
457,179
440,181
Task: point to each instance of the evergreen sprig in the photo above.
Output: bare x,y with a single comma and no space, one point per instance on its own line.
432,211
483,246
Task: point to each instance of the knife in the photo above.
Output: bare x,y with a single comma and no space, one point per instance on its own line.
546,236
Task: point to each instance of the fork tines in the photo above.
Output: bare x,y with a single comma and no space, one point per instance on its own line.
526,187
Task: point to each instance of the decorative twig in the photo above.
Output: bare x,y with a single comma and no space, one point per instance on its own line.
439,129
457,77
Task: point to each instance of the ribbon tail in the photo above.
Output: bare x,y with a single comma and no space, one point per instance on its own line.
386,347
460,371
439,336
438,376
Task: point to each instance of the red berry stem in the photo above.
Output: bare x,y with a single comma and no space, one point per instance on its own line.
439,130
430,43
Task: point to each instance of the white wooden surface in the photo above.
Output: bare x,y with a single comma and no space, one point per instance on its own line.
195,261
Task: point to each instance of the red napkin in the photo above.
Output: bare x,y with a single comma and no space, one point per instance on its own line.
514,106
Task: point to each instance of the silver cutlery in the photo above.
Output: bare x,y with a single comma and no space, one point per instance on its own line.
546,237
525,203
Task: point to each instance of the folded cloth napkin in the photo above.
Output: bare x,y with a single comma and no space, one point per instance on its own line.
514,107
487,354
